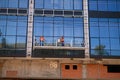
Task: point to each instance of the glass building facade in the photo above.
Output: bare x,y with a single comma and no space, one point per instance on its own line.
59,18
59,4
55,18
104,30
13,3
13,28
70,28
104,5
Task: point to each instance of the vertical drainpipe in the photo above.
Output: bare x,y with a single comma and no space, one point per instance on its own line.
86,38
30,28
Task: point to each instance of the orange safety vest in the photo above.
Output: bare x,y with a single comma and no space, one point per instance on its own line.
42,38
62,39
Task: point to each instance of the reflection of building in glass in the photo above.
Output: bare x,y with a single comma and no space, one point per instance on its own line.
90,28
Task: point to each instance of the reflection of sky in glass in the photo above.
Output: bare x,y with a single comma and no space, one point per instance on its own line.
104,5
53,28
13,3
59,4
106,33
12,29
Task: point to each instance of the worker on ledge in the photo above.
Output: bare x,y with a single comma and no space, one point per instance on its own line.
42,39
62,40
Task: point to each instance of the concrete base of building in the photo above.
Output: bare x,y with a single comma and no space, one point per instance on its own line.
55,69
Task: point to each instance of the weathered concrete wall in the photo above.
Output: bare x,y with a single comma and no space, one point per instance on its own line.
38,68
31,68
45,69
12,68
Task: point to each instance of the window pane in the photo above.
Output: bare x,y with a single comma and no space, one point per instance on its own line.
22,18
2,42
118,5
22,24
39,3
115,53
3,3
13,3
94,31
10,41
58,19
58,29
77,42
2,25
68,4
78,4
115,44
114,32
21,30
105,42
68,29
93,24
38,29
78,30
58,26
58,4
104,32
11,28
112,5
113,22
48,27
102,5
48,4
38,26
21,42
103,24
23,3
93,4
94,43
98,52
68,41
78,20
48,41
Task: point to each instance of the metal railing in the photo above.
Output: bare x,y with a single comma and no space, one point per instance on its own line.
58,43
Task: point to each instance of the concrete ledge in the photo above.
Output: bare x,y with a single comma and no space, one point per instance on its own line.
68,60
59,47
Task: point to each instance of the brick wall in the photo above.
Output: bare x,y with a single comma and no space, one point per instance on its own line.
11,73
94,71
100,71
71,73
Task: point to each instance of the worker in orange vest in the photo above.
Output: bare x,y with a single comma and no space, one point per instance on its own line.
42,39
62,40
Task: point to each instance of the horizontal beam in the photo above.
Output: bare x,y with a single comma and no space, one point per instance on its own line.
59,47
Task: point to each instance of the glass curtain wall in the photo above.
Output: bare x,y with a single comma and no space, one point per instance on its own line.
59,4
105,36
13,29
104,5
13,35
13,3
105,32
52,28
